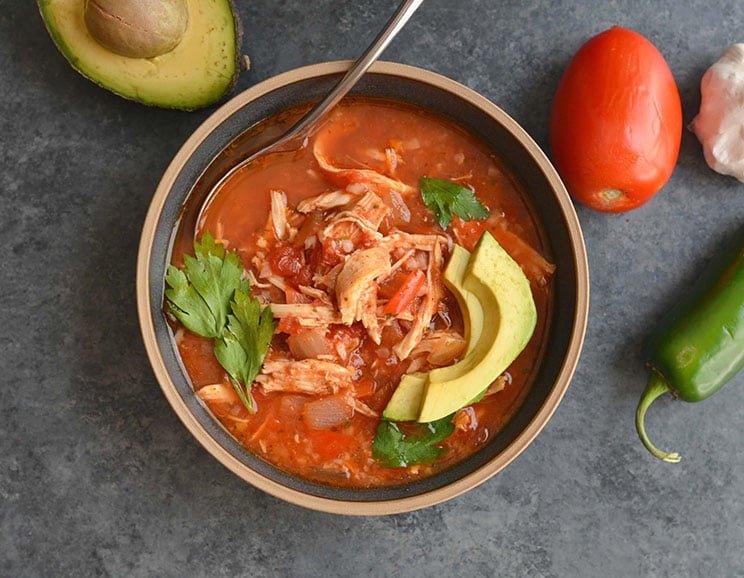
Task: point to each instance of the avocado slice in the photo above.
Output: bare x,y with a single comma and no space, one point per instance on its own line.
504,292
405,403
200,70
470,307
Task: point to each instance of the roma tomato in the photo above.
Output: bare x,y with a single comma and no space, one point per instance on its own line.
616,122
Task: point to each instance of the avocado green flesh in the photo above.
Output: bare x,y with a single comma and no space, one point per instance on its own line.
198,72
489,280
405,402
406,399
454,275
504,292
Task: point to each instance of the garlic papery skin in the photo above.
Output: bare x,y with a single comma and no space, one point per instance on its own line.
720,123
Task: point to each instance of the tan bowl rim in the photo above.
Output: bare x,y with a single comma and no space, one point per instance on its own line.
399,505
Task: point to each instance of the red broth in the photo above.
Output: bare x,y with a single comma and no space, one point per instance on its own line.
327,437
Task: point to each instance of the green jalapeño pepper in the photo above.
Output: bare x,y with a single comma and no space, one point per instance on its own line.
699,345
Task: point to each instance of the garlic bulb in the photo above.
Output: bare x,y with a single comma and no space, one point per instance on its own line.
720,123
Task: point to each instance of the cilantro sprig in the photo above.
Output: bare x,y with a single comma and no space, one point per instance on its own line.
210,298
200,294
394,449
446,198
242,346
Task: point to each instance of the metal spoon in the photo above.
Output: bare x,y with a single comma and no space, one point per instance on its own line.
296,137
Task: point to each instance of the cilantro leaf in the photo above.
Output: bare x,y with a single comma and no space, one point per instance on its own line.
446,198
210,299
199,295
394,449
242,346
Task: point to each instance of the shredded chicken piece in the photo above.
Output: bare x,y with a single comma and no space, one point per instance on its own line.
440,347
428,307
325,201
391,160
361,407
262,265
402,240
218,393
367,176
465,419
328,279
279,214
356,288
371,208
309,376
499,384
357,188
351,229
399,263
222,399
255,283
277,281
359,222
315,293
219,234
307,314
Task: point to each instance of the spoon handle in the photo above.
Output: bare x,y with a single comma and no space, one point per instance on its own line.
393,26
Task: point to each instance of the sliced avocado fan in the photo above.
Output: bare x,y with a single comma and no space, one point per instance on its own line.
487,283
123,46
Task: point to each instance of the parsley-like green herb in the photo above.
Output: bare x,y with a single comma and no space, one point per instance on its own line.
242,347
199,296
394,449
446,198
210,299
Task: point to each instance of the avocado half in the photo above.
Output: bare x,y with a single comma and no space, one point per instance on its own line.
198,72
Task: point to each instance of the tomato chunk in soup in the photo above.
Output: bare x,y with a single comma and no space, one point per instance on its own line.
338,242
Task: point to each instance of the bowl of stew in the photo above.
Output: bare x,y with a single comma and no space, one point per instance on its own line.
283,303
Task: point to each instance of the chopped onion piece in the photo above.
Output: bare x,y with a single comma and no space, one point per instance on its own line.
327,412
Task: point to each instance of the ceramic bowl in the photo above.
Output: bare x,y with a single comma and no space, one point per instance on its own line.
185,177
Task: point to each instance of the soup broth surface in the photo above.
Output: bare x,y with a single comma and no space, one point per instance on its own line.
297,220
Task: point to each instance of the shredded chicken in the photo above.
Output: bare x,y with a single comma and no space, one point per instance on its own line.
315,293
347,176
367,257
359,222
361,407
309,376
279,214
307,314
353,255
325,201
402,240
440,347
328,279
356,288
429,305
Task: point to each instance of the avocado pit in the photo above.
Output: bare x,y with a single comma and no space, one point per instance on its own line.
137,28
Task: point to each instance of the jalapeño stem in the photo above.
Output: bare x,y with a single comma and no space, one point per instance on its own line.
656,387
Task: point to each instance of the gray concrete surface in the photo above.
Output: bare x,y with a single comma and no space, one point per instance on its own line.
99,478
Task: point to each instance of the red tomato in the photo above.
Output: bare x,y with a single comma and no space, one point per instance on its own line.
329,444
616,122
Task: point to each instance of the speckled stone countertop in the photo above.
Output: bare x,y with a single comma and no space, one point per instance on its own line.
99,478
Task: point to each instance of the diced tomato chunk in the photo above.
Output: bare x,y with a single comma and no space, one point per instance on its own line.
329,444
288,261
